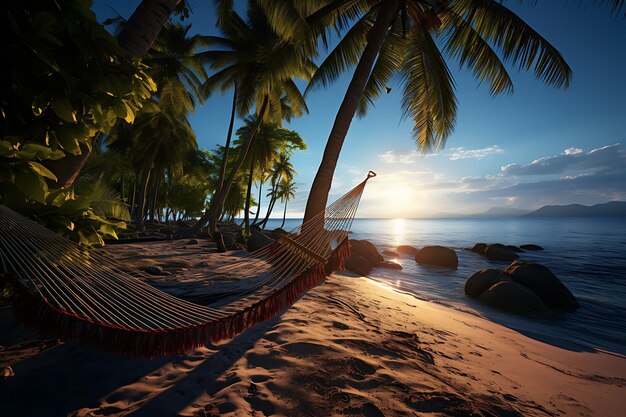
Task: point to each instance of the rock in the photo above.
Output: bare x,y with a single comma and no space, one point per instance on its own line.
410,250
513,297
481,281
479,248
391,253
358,264
531,247
258,241
192,242
514,248
500,252
544,283
389,265
367,250
437,256
153,270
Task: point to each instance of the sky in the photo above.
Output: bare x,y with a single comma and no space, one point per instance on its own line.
538,146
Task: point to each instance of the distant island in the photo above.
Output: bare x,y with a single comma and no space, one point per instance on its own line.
610,209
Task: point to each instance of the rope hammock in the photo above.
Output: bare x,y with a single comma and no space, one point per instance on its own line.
69,292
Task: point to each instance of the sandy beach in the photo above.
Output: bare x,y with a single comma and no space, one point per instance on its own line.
352,346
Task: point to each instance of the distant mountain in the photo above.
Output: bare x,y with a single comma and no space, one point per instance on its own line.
613,208
503,212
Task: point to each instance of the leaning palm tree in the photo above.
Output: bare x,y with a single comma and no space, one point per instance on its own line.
409,41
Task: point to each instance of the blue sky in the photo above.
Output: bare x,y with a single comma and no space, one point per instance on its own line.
539,146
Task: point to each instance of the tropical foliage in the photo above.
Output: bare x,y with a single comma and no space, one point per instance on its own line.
67,83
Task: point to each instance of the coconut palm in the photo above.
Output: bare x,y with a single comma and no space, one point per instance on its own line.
286,191
282,170
271,141
264,67
406,41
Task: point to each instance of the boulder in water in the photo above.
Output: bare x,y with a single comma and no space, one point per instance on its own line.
358,264
481,281
544,283
258,241
410,250
479,248
389,265
500,252
531,247
437,256
514,248
513,297
391,253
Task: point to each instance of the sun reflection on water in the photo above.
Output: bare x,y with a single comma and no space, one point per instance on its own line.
398,229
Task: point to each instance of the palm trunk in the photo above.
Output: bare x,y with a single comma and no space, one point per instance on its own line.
246,215
258,210
284,214
141,198
217,202
270,206
145,24
320,188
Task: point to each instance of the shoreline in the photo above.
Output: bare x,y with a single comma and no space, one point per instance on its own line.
351,346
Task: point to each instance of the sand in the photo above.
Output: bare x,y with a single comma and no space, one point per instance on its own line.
349,347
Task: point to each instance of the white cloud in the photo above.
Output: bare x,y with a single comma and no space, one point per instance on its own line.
572,151
462,153
571,160
391,157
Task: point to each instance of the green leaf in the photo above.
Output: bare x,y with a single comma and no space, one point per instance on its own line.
63,108
67,140
31,185
42,170
7,149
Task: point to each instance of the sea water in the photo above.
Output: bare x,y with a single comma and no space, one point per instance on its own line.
587,254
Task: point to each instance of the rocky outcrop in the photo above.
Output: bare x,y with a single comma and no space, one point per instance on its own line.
479,248
391,253
530,246
544,283
437,256
258,240
409,250
367,250
500,252
513,297
481,281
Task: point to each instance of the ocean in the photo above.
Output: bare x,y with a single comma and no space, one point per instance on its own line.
587,254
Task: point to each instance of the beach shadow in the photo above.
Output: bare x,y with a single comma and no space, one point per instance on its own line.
73,379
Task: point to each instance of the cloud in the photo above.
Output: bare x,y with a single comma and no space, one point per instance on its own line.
461,153
391,157
571,160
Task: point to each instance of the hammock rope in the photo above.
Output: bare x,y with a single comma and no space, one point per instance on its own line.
71,292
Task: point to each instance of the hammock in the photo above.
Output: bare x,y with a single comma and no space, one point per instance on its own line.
69,292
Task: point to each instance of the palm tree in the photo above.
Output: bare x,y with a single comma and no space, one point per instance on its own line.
162,135
271,141
286,191
282,170
407,40
264,67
